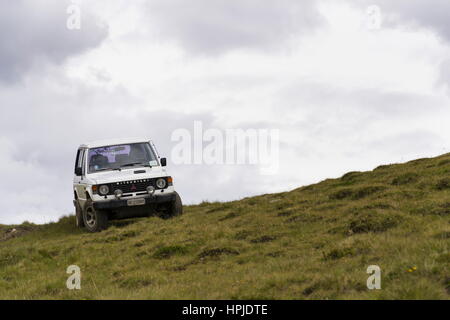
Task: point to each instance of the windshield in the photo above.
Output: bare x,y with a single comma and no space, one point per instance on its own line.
120,156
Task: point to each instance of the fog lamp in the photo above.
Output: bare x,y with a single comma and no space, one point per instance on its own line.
151,189
118,193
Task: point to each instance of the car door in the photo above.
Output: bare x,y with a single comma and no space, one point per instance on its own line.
79,179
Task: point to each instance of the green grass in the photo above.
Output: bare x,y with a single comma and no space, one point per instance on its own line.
314,242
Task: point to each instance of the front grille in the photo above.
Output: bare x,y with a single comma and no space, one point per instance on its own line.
133,186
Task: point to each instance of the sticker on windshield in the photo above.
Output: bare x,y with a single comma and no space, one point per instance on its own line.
153,163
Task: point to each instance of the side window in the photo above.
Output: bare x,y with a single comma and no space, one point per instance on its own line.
79,162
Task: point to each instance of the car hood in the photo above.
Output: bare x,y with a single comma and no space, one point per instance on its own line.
127,174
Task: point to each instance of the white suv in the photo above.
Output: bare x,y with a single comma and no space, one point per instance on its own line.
121,179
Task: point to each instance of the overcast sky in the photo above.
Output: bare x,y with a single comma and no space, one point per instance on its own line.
345,96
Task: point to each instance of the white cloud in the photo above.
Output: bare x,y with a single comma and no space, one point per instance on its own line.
34,33
413,14
214,27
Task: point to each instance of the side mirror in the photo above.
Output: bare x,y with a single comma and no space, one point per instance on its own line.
78,171
163,162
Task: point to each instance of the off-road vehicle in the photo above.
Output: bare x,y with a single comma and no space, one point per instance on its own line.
121,179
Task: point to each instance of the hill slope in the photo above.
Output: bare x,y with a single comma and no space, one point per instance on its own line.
313,242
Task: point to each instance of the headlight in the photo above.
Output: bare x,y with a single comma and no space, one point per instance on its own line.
161,183
151,189
103,190
118,193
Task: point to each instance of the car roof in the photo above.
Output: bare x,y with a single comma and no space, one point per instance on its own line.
111,142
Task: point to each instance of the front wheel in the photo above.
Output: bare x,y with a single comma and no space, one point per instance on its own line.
94,220
172,209
176,208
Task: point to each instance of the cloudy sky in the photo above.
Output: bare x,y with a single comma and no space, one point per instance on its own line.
344,94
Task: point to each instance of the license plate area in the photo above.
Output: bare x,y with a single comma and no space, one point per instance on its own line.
135,202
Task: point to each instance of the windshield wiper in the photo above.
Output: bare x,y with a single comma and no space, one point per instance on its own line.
135,163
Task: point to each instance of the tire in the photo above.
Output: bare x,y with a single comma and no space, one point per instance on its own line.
176,208
79,215
94,220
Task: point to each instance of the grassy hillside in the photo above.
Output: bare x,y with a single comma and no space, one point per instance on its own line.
314,242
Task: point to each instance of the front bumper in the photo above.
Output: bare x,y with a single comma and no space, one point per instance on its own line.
122,203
